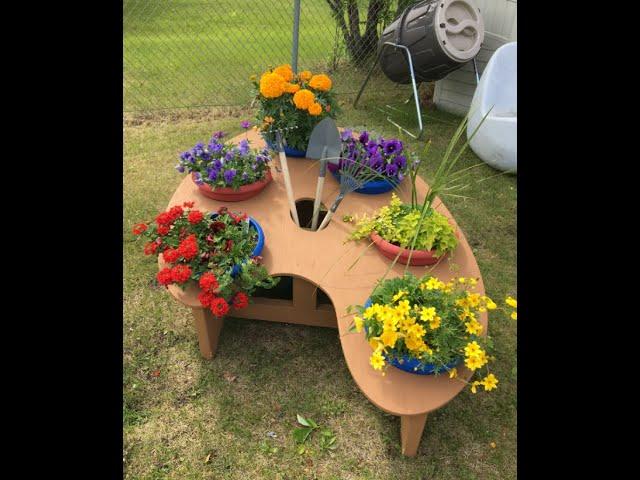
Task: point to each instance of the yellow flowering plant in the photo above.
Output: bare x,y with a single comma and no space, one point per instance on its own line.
287,99
424,325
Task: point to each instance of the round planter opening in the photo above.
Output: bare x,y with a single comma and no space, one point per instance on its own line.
304,206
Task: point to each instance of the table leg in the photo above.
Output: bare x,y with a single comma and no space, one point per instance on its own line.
411,428
208,328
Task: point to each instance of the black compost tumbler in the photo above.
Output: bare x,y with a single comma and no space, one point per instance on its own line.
441,36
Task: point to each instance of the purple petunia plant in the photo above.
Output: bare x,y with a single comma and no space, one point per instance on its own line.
221,164
385,157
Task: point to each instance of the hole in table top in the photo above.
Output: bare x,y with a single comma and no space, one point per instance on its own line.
304,206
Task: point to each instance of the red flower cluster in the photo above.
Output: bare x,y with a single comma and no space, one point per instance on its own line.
195,216
170,216
150,248
237,218
188,248
139,228
163,229
219,307
209,282
228,245
177,274
241,300
171,255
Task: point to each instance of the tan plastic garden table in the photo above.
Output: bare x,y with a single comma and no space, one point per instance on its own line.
322,259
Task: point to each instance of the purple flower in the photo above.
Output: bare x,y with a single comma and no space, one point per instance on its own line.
401,161
245,175
198,149
198,178
375,161
218,135
346,134
400,176
392,169
245,124
392,146
364,137
244,148
180,168
229,175
213,173
217,164
229,155
215,147
187,157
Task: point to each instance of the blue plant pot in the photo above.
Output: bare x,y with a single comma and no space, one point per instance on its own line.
288,151
413,365
259,244
373,187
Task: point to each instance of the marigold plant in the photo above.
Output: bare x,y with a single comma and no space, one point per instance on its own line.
204,249
288,100
432,321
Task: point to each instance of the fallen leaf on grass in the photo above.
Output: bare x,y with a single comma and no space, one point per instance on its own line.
229,377
206,460
155,373
493,444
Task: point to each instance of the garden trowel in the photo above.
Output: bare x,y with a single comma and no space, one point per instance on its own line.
324,145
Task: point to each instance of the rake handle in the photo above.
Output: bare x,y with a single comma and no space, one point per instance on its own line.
331,211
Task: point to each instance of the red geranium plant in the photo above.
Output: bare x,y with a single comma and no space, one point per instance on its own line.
199,247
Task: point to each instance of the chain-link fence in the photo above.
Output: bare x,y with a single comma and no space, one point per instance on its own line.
185,53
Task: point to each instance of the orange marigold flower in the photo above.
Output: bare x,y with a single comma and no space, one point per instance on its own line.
285,72
315,109
303,99
291,87
305,75
271,85
320,82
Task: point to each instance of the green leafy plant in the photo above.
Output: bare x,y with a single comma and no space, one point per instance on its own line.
302,434
327,440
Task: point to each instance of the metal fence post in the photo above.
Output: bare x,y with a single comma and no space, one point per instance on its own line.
296,33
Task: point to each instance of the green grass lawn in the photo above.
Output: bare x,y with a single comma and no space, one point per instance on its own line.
189,418
182,53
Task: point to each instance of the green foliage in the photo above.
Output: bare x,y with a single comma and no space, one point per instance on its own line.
302,434
399,223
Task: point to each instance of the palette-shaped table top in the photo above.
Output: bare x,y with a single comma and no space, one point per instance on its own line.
323,258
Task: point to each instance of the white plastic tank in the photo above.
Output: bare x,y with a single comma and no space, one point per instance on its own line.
496,141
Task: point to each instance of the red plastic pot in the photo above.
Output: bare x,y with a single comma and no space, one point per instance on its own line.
227,194
418,257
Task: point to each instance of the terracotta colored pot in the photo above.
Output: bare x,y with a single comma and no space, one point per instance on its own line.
418,257
226,194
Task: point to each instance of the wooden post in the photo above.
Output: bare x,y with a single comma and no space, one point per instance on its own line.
411,428
208,328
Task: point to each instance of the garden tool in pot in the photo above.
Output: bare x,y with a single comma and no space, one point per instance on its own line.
353,175
280,141
324,144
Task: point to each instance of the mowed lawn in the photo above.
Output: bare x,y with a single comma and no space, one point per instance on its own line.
190,418
182,53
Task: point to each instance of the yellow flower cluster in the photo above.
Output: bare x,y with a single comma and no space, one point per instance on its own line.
513,303
400,320
489,382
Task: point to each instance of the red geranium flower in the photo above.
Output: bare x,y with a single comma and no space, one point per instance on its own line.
188,248
241,300
206,298
163,230
188,204
209,282
150,248
180,273
175,212
139,228
219,307
164,277
164,218
170,255
229,245
195,216
223,210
